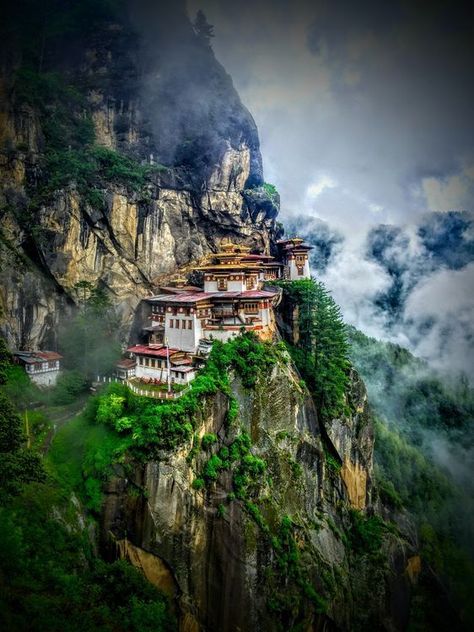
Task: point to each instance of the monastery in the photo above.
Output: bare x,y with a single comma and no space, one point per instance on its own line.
183,320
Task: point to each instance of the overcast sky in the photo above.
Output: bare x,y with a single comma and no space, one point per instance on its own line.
364,109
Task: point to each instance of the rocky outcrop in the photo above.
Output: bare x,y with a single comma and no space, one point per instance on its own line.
223,551
168,105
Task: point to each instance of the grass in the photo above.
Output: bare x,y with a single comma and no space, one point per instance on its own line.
81,456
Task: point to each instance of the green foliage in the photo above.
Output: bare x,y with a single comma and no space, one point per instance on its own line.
163,425
366,532
69,385
18,465
321,353
198,483
213,467
332,463
270,189
294,581
246,355
83,455
51,571
5,360
247,475
420,486
11,433
407,393
388,494
208,440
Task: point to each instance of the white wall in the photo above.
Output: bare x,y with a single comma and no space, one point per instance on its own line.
153,372
223,335
235,286
47,378
294,276
210,286
184,339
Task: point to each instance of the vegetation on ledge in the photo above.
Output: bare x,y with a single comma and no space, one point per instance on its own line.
161,425
49,573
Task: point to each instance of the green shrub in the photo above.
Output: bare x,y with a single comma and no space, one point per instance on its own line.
270,189
366,532
213,467
208,440
198,483
69,385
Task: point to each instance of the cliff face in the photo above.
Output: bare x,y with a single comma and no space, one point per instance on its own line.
139,85
282,557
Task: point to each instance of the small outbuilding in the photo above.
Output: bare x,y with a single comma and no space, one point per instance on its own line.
43,367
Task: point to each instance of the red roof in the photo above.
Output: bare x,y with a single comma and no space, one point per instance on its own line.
126,363
36,357
194,298
257,294
49,355
145,350
191,297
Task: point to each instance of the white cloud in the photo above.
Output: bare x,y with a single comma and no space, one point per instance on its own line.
445,300
322,182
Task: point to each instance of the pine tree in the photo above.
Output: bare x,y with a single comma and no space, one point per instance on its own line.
202,28
321,353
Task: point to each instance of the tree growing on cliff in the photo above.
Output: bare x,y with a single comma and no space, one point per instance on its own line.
321,352
202,28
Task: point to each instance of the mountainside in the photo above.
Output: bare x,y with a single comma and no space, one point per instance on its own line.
125,153
250,498
254,524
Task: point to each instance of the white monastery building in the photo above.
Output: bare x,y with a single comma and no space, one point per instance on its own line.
43,367
237,296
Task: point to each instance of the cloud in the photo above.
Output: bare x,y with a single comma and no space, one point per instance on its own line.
317,187
453,192
445,301
375,96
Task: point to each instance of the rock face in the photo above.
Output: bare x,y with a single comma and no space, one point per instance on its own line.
219,550
151,90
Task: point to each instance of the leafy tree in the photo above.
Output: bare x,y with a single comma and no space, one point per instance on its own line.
11,434
5,359
17,464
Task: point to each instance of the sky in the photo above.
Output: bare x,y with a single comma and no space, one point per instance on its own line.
364,109
364,112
